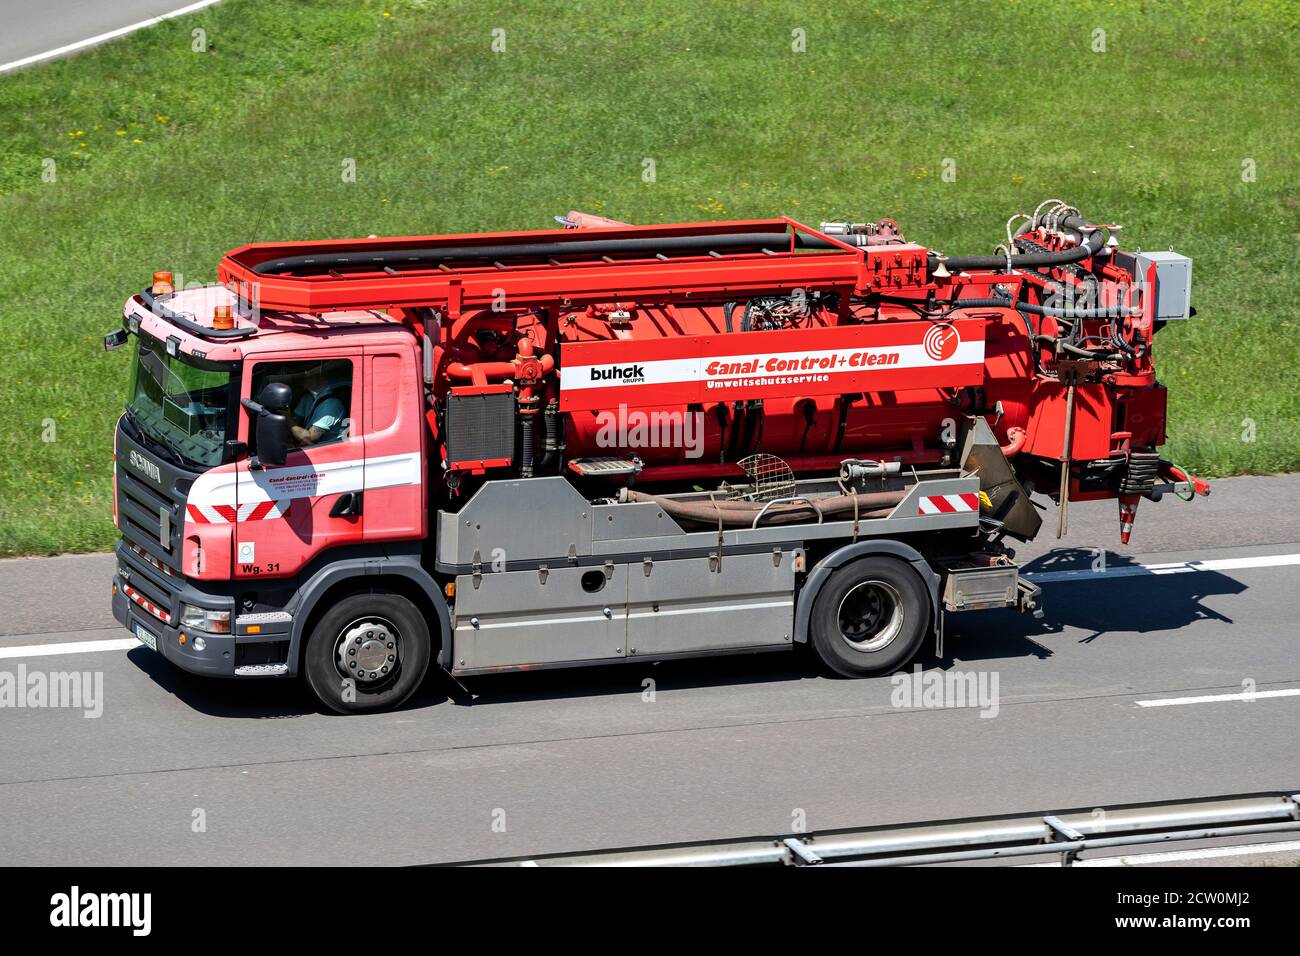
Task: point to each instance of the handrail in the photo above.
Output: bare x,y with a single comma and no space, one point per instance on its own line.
1065,833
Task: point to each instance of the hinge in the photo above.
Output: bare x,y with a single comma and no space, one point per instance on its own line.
647,565
776,557
609,570
477,569
542,571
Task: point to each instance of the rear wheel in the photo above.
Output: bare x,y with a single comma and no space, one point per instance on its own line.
368,653
870,617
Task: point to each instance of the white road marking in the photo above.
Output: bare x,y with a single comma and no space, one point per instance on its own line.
73,647
104,37
1177,567
1121,571
1180,856
1215,698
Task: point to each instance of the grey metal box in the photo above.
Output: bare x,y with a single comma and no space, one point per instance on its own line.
1173,291
973,589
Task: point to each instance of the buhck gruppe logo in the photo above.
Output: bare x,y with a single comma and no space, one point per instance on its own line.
619,373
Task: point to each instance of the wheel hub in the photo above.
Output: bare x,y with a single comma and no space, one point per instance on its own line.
368,650
871,616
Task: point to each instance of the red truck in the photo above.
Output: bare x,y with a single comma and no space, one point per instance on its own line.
352,459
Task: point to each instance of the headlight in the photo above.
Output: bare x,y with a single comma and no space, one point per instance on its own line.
203,619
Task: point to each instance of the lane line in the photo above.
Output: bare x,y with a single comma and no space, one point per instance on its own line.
1183,567
1177,567
104,37
1179,856
74,647
1215,698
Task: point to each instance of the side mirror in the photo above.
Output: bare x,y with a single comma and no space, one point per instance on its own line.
271,419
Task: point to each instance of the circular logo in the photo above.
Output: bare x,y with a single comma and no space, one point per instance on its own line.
941,342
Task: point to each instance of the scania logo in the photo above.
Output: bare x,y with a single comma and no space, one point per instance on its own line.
619,373
145,466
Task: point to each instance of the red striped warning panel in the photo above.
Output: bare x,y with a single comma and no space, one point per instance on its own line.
145,603
947,504
229,514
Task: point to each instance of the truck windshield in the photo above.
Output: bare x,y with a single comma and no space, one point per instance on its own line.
180,405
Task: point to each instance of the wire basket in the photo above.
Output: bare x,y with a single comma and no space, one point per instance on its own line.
769,478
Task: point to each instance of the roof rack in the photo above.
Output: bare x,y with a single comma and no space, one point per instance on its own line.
561,266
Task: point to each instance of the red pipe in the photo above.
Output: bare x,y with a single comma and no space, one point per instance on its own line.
1016,436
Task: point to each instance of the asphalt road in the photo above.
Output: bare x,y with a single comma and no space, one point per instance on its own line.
729,747
28,28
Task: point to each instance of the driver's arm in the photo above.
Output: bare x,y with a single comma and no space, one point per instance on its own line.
305,436
327,417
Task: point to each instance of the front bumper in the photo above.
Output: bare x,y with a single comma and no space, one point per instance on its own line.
261,653
217,659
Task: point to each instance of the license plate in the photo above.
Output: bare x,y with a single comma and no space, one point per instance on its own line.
146,638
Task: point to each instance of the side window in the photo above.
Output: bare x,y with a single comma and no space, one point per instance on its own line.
321,406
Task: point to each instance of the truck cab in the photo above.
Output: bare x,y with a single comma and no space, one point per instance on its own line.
219,546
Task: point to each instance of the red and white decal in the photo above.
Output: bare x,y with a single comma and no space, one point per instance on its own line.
229,514
236,495
145,603
947,504
877,357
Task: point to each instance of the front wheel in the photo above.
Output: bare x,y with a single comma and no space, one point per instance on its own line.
870,617
368,653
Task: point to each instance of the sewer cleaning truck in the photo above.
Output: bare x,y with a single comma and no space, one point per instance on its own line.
352,460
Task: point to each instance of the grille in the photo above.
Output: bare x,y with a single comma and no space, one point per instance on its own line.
480,427
140,512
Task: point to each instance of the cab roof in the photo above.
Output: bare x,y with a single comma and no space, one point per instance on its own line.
186,317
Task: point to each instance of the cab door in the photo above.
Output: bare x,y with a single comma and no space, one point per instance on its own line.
394,434
288,514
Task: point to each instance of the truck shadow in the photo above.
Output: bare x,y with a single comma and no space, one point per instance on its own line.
1120,601
262,699
1117,598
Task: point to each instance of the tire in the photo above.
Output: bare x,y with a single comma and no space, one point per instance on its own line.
366,630
870,617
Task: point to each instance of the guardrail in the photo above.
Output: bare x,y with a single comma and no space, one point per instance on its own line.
1066,834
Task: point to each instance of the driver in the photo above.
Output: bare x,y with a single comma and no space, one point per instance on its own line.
319,414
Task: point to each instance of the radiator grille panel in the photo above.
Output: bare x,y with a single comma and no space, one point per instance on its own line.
480,427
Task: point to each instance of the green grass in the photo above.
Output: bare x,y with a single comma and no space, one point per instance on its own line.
247,141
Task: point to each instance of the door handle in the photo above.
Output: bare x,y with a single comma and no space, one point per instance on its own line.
347,506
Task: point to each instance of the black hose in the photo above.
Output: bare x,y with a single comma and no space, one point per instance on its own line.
550,438
953,305
526,446
1091,244
1057,313
1079,352
431,255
